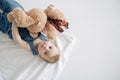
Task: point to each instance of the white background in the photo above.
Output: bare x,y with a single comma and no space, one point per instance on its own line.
96,26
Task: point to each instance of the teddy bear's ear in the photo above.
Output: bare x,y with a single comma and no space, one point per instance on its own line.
54,13
51,7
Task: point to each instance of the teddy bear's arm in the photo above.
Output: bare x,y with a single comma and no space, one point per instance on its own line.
50,31
17,38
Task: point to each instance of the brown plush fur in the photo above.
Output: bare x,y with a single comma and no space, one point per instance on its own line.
53,13
21,18
34,20
40,20
50,31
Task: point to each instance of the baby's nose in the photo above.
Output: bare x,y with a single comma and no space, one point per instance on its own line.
46,47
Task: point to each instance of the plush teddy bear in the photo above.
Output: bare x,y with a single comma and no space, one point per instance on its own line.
34,20
56,20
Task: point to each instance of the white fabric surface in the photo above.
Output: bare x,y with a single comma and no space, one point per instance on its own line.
19,64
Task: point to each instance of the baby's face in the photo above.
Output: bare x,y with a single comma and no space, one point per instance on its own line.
46,50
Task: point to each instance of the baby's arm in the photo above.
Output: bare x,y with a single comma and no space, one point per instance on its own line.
17,38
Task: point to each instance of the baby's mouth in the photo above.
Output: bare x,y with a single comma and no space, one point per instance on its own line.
58,23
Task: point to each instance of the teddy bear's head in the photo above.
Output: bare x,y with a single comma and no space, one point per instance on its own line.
40,19
34,20
56,17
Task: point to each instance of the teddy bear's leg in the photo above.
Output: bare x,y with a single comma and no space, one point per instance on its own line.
21,18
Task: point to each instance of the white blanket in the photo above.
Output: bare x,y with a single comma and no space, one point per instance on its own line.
19,64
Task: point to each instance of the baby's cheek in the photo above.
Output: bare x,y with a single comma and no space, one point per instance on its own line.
39,48
40,51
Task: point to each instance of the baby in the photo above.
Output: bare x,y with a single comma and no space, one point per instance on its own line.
38,45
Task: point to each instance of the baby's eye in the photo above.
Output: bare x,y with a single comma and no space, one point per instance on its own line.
50,47
45,53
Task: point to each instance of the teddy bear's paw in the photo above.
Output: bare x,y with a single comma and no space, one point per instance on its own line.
10,17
